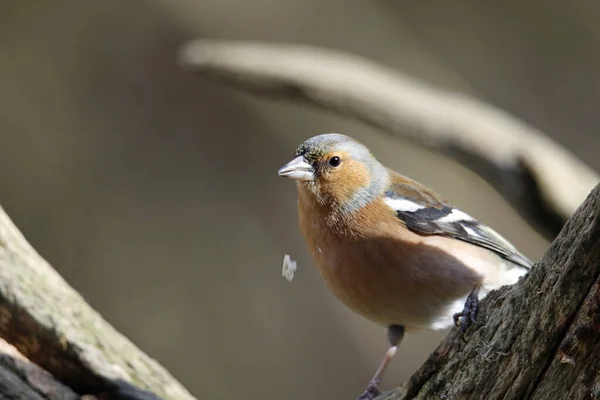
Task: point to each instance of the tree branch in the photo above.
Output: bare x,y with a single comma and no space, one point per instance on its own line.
52,325
541,336
21,379
538,177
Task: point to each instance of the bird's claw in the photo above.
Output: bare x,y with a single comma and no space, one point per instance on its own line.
468,314
371,392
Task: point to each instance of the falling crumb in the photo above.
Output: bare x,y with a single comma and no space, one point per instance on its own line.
289,267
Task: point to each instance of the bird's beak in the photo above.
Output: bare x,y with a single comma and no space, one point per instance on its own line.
298,169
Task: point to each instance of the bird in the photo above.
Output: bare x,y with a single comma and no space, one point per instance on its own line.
391,249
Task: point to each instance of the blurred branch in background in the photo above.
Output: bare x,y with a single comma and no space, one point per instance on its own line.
538,177
51,325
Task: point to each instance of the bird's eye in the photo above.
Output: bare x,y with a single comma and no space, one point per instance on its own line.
334,161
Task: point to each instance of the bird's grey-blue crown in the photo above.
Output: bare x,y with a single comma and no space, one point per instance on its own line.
317,146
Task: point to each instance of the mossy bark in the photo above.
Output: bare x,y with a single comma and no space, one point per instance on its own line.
47,321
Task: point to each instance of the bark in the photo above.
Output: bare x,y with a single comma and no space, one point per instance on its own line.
21,379
51,325
539,338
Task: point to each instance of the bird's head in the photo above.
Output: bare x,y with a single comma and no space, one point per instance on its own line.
338,170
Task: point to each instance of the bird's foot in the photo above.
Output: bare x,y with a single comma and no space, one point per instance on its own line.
468,314
371,392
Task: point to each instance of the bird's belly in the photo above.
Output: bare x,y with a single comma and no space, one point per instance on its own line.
412,287
393,276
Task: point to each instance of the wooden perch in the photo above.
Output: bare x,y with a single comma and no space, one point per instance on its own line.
541,337
538,177
21,379
52,326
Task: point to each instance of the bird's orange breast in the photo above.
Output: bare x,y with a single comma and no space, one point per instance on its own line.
378,268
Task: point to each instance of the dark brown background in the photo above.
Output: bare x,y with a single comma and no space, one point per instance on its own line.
155,192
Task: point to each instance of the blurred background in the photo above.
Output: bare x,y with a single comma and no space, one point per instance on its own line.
154,192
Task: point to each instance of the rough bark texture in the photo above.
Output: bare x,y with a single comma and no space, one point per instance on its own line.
52,326
21,379
539,339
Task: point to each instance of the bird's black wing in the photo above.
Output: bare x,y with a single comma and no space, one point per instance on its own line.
436,218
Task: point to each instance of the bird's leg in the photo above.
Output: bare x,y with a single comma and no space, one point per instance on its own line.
395,334
469,312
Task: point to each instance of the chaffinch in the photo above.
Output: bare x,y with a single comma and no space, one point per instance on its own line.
390,248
